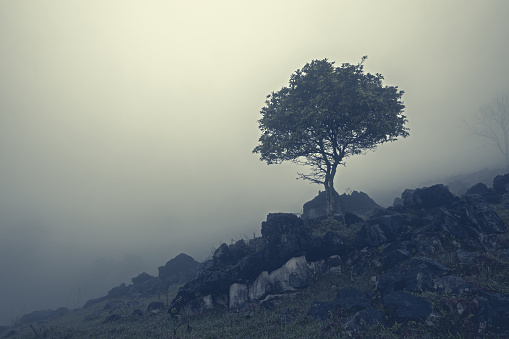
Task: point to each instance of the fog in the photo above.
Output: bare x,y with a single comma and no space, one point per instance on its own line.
126,127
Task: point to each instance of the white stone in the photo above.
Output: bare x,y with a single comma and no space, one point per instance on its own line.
238,295
259,287
207,302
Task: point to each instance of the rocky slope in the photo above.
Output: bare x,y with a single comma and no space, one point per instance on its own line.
433,264
418,252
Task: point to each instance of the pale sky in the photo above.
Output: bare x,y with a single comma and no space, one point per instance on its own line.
126,127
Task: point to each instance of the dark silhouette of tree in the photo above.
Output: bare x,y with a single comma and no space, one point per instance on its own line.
327,114
492,122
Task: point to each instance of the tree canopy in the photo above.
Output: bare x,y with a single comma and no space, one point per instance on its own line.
326,115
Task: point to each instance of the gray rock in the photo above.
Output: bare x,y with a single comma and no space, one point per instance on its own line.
350,299
223,257
155,306
421,273
451,285
395,257
178,270
118,291
464,257
428,197
407,306
501,184
482,216
239,294
391,282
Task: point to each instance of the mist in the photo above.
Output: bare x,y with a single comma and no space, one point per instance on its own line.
127,127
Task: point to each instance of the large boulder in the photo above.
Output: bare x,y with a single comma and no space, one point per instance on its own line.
488,194
428,197
357,203
421,273
407,307
501,184
178,270
350,299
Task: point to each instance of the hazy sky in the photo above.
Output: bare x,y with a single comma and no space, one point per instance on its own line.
126,127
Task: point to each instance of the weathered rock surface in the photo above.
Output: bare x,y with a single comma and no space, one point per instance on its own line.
350,206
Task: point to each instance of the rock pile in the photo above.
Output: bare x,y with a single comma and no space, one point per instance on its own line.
403,247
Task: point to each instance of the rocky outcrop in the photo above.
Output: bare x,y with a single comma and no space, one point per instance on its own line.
356,203
178,270
397,246
288,259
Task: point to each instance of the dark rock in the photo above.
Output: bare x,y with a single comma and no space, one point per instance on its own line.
501,184
391,225
178,270
333,261
428,197
330,244
285,237
407,306
250,267
351,218
197,306
464,257
223,257
451,285
488,194
358,203
155,306
278,224
398,202
493,311
142,277
317,208
350,299
240,249
321,310
453,224
364,319
370,235
146,286
482,216
394,257
421,273
118,291
391,282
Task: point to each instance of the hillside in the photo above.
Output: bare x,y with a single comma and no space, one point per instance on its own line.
432,265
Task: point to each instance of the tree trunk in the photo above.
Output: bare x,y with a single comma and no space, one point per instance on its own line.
330,192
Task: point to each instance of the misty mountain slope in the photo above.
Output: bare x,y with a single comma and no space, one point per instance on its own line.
433,265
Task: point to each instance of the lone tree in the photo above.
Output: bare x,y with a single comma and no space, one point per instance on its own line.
327,114
492,122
